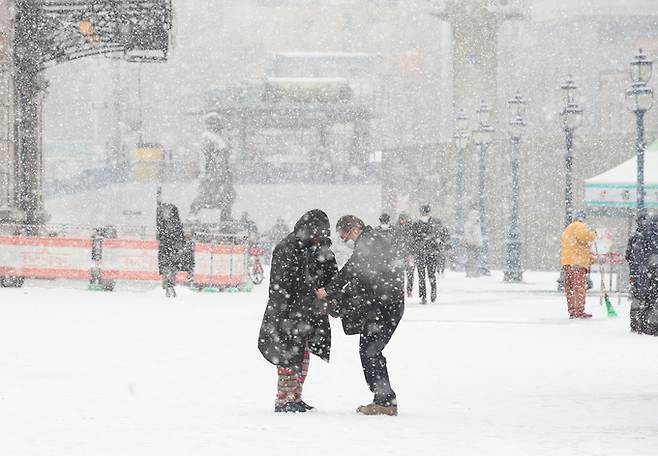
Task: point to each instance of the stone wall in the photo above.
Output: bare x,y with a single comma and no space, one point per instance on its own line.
7,110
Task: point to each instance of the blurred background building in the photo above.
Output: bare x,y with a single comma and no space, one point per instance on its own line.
426,61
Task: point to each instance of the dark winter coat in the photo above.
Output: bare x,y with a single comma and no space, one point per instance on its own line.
402,242
368,286
642,255
428,239
187,256
169,231
302,262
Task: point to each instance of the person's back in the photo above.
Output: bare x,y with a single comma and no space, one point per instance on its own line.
384,228
425,238
376,273
575,245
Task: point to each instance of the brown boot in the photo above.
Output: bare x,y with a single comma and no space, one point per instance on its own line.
376,409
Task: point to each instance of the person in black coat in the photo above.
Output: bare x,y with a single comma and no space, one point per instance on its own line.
371,276
428,236
402,246
633,250
295,322
643,261
169,231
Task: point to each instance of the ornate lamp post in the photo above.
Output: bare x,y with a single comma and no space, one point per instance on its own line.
571,116
640,99
482,137
461,141
513,270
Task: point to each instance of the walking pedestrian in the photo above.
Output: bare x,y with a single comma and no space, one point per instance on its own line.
371,275
403,251
576,259
472,242
384,228
169,231
295,324
427,235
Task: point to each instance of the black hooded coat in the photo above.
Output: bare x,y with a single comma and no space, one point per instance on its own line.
169,231
301,263
643,260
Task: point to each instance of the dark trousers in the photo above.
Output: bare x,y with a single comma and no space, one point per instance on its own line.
426,267
374,338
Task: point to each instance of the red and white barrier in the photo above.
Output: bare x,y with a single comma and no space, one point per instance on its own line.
119,259
220,264
45,257
130,260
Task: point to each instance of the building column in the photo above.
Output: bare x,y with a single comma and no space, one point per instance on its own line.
9,211
29,92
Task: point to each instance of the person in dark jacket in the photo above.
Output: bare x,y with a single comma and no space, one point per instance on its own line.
295,322
428,236
644,276
384,228
403,250
633,250
169,231
372,277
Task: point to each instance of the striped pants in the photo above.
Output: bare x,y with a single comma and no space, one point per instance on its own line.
291,383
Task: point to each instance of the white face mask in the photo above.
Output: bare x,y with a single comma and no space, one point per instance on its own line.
425,218
350,244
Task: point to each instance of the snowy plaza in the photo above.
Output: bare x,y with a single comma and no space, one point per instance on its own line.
491,369
190,189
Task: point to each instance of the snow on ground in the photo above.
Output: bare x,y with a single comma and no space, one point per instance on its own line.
492,369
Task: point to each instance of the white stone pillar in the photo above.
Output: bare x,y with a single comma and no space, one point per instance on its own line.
8,204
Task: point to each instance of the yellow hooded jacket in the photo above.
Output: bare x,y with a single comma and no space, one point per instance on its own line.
574,245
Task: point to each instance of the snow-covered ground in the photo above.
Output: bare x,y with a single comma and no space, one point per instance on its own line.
492,369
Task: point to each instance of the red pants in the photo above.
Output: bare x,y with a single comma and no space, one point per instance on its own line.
575,289
291,383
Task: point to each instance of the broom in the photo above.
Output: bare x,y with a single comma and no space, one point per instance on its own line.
608,304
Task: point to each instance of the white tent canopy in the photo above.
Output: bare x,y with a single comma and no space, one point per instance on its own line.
617,187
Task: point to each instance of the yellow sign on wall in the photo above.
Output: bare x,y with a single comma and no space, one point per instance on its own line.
148,154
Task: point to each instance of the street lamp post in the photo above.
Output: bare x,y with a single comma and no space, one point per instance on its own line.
640,99
571,117
461,141
513,270
482,137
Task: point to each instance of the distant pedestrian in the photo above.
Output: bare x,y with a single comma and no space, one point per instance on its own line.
371,276
250,227
295,323
643,262
576,259
427,234
472,242
402,245
384,228
169,231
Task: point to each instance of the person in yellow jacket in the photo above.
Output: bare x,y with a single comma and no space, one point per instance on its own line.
576,259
